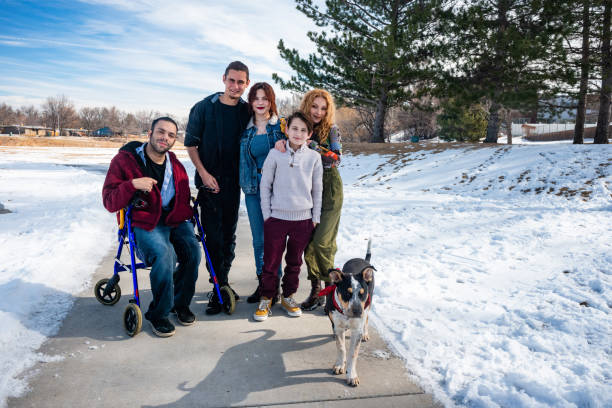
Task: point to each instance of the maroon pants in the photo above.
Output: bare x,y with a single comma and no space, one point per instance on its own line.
278,234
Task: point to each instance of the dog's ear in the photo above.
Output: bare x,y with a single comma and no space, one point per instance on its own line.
335,275
368,274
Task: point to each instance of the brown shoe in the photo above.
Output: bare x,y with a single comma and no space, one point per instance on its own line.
313,301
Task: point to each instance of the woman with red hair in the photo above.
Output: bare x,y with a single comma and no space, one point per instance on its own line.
318,105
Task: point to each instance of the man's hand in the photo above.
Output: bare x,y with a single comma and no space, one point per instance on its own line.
314,224
144,184
280,145
209,181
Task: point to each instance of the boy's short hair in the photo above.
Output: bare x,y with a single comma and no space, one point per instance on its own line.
299,115
237,66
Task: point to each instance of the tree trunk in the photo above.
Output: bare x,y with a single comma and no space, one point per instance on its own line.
603,119
509,126
584,74
498,63
493,123
378,135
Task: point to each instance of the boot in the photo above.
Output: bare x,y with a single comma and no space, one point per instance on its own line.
255,297
313,301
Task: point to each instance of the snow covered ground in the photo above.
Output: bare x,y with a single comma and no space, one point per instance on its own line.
51,242
484,258
494,267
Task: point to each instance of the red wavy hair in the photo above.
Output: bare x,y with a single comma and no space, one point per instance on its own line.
267,88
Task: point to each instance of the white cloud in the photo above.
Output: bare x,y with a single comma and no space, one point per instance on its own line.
161,55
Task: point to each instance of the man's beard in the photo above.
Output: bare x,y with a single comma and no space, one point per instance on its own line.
159,150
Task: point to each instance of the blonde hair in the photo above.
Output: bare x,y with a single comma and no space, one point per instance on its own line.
322,129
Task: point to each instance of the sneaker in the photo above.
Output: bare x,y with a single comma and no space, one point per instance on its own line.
213,307
162,327
290,306
183,315
263,310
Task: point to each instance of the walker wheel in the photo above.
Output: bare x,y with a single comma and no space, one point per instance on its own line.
132,319
229,300
112,296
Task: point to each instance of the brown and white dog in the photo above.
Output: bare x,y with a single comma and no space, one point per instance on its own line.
348,304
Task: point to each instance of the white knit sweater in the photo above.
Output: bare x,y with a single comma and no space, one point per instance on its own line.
292,185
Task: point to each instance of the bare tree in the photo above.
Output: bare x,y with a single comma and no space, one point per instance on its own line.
59,113
506,116
112,118
144,119
418,121
129,124
286,106
91,118
351,126
30,115
182,123
7,115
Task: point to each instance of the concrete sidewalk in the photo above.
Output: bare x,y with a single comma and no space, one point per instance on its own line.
221,361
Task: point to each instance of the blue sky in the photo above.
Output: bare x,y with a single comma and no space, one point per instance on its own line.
140,54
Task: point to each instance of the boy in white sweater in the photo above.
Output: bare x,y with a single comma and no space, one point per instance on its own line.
291,188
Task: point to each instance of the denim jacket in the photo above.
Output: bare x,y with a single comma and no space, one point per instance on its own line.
248,168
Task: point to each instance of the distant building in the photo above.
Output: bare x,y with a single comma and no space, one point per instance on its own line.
105,132
76,132
26,130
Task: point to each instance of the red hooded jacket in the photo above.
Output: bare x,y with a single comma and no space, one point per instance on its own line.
118,190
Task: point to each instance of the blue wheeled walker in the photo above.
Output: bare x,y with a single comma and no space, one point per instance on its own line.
225,293
107,290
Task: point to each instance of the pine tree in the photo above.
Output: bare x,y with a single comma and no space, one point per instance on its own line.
508,53
370,53
461,123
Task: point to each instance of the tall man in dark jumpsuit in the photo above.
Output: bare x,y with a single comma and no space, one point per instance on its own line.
212,139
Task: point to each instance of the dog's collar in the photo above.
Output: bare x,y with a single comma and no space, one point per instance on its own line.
327,290
332,288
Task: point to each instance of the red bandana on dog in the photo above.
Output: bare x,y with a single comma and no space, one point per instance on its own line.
330,289
327,290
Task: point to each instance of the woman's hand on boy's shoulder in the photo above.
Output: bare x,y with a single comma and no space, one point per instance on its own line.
281,145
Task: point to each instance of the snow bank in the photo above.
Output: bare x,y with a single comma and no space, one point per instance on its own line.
494,269
51,242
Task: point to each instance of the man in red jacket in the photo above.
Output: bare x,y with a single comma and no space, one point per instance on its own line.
164,235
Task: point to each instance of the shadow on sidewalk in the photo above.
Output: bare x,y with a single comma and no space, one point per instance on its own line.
255,366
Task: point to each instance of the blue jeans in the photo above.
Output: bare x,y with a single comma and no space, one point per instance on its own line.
161,249
253,205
